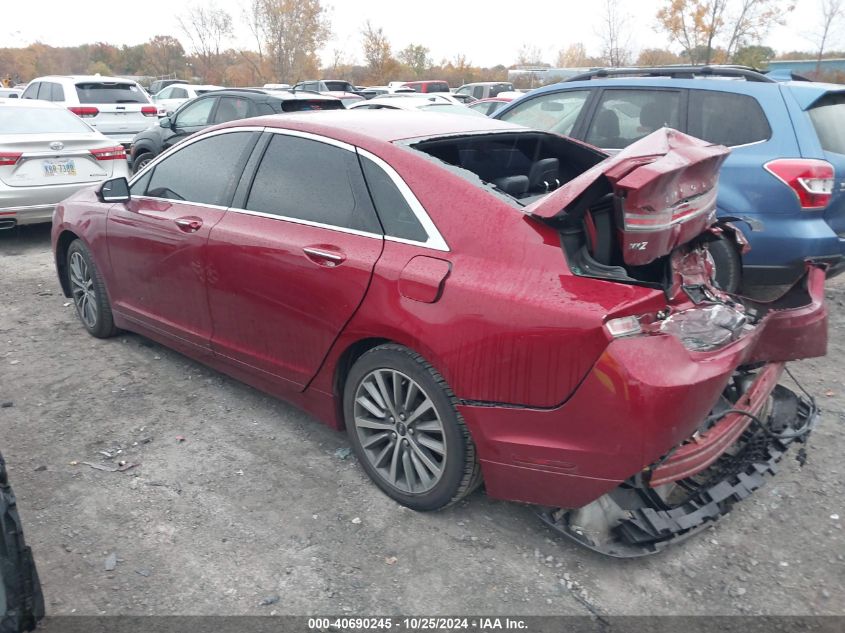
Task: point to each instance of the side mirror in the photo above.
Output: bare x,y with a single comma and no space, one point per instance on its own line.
166,123
114,190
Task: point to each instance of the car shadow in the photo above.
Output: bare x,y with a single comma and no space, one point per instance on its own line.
17,240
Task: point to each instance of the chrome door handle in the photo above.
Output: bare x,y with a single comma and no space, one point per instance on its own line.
188,225
330,258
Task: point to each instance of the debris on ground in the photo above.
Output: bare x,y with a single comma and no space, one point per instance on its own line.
119,468
356,520
391,560
343,453
111,562
180,438
267,601
40,469
7,404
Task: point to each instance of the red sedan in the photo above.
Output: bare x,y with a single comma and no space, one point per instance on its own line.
471,300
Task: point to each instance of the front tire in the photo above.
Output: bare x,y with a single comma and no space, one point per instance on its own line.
141,161
89,292
405,430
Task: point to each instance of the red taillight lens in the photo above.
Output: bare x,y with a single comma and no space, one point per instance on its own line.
85,112
9,158
809,178
117,152
149,110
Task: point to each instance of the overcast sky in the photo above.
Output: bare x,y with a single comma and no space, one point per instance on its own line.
488,32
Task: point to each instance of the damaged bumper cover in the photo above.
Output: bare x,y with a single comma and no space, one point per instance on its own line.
698,483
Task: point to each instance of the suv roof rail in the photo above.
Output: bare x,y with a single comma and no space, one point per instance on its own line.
676,72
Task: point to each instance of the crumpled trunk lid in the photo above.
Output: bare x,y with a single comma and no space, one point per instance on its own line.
664,188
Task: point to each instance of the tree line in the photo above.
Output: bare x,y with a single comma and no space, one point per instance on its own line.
287,35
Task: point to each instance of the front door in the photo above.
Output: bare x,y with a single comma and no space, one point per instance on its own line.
288,270
157,241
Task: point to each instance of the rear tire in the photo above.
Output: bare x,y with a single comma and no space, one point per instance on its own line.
88,291
726,257
405,429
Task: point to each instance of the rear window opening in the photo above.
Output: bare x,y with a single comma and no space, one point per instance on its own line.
524,165
107,92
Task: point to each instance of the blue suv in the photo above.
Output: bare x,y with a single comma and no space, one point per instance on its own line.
783,184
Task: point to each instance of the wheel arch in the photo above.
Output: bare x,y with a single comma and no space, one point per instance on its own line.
344,364
63,243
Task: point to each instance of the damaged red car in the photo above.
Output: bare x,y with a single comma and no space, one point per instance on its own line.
472,301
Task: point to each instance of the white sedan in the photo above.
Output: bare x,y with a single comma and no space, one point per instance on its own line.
169,98
433,102
46,154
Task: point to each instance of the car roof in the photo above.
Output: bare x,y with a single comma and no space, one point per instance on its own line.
84,78
369,127
29,103
282,94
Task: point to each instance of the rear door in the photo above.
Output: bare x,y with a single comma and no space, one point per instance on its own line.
291,261
157,241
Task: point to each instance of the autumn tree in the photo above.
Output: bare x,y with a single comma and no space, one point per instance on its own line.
657,57
163,55
207,28
377,53
614,32
703,26
830,15
756,56
573,56
416,58
530,55
288,33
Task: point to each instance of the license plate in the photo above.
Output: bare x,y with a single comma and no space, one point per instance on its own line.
65,167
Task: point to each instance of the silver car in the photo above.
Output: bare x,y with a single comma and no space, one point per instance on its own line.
46,154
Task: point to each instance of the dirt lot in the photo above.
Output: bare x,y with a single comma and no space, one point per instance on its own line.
259,502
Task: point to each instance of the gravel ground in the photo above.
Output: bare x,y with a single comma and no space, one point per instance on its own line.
260,504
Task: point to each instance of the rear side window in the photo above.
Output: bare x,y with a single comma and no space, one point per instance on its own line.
625,116
309,180
205,171
57,93
395,214
828,117
552,112
107,92
231,109
437,86
178,93
303,105
726,118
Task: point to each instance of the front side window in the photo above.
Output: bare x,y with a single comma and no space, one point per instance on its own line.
205,171
478,92
625,116
31,91
196,114
57,93
45,91
164,94
309,180
551,112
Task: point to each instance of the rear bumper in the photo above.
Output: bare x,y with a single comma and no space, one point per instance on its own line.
13,216
644,396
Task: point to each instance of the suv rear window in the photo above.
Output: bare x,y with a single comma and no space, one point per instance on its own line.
828,117
726,118
301,105
102,92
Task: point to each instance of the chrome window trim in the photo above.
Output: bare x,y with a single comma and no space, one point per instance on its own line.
435,240
190,202
319,225
187,143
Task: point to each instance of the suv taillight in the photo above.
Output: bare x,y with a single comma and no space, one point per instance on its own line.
811,179
117,152
9,158
85,112
149,110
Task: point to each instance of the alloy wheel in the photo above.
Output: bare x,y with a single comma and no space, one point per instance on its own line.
82,288
400,431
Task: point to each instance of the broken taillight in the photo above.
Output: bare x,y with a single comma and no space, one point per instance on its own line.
811,179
